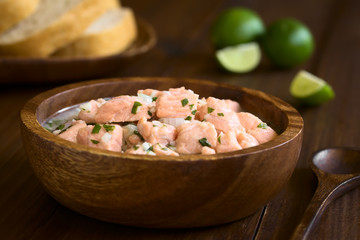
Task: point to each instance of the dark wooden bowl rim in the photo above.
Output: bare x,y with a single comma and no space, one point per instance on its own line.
293,128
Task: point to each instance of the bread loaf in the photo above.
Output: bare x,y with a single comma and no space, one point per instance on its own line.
52,25
111,33
13,11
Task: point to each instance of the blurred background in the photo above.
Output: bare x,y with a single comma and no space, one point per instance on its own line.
182,48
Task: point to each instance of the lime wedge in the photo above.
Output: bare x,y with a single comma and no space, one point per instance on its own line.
310,89
241,58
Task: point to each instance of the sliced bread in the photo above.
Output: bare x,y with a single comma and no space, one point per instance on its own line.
13,11
111,33
52,25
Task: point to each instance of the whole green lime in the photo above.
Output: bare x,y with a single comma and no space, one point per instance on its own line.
235,26
288,42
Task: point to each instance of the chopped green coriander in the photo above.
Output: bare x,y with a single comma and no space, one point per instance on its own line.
188,118
150,149
219,139
58,122
193,112
262,125
83,109
204,142
63,130
210,110
154,99
150,114
138,134
96,129
60,127
220,114
49,129
109,128
155,125
94,141
184,102
191,106
135,107
171,147
164,149
136,147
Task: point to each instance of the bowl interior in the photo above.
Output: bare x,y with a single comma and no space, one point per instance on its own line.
185,191
268,108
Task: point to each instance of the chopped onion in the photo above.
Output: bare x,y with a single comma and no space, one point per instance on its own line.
145,98
152,109
172,146
146,146
201,102
100,102
174,121
106,137
154,93
56,132
128,130
86,106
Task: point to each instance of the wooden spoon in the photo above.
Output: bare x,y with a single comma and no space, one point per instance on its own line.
338,171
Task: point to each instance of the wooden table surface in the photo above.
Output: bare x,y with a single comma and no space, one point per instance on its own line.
183,50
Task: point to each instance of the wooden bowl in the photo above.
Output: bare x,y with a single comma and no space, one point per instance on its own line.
57,69
161,191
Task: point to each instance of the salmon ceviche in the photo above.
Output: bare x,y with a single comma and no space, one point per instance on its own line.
154,122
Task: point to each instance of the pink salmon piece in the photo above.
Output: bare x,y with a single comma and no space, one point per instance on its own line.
108,140
189,135
248,120
233,105
156,132
227,142
120,109
219,113
263,135
246,140
176,103
207,151
88,110
136,150
160,149
150,92
71,133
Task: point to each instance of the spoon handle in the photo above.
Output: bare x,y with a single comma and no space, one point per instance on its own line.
325,193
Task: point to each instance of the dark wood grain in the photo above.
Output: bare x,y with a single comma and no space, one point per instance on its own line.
183,50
